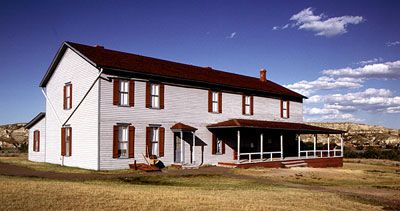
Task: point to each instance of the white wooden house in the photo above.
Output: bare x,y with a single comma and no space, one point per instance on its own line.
106,109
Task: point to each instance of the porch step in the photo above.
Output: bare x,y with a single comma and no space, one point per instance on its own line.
294,163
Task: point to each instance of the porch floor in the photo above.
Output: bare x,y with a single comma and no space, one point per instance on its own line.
278,162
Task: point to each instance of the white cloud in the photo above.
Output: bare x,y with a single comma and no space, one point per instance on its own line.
370,61
324,83
232,35
340,117
280,27
387,70
394,43
306,20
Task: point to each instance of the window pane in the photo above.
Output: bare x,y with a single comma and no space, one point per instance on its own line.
155,89
154,148
215,96
219,146
247,109
284,104
124,86
155,102
124,99
215,107
247,100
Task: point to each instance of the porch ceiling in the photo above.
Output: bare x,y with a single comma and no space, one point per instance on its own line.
259,124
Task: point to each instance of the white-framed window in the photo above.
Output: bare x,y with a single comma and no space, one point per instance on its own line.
155,140
155,95
218,148
68,141
124,93
215,100
123,133
68,97
285,108
247,105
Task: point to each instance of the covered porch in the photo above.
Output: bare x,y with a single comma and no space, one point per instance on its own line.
255,141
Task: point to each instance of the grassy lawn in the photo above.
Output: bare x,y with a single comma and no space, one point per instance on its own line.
364,185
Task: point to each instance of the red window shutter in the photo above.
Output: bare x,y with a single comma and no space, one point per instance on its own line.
161,131
34,140
219,102
251,105
70,96
223,147
161,96
63,141
148,144
287,109
116,92
70,141
281,108
131,93
115,141
209,101
65,98
234,154
131,142
243,104
148,94
38,141
214,144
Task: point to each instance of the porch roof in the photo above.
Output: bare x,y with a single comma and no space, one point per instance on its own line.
182,127
260,124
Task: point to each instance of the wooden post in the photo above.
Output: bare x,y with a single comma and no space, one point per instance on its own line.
238,146
261,145
341,145
329,153
281,146
299,140
182,148
193,146
315,145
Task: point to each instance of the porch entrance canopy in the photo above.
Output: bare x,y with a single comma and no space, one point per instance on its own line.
272,125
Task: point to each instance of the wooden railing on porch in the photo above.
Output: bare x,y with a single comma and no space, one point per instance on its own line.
321,153
262,155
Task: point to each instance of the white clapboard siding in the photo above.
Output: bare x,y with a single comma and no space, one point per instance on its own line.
32,155
182,104
73,68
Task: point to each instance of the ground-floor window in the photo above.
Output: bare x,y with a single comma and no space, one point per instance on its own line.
66,141
154,141
123,135
36,140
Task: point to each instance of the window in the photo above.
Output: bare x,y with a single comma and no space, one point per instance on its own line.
219,146
124,93
123,134
67,96
154,141
247,105
155,96
36,140
215,100
68,141
284,109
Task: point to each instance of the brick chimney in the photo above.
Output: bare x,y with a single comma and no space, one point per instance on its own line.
263,75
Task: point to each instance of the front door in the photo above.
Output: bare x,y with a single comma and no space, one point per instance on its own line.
177,149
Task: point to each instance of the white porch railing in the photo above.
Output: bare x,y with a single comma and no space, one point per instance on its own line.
262,155
320,153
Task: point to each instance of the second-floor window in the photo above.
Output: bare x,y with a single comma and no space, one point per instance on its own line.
124,93
155,96
67,96
285,111
247,105
214,102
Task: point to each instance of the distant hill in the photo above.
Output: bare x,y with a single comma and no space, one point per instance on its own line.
362,135
13,135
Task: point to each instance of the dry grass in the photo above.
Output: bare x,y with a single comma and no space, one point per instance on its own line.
206,193
364,185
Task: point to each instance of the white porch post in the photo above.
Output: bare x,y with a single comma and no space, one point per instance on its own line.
329,153
341,145
281,146
193,146
182,148
315,145
299,140
238,146
261,145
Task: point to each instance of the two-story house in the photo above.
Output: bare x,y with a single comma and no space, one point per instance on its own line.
106,109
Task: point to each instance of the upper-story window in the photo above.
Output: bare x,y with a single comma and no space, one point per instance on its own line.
67,96
214,102
247,105
155,96
285,111
123,92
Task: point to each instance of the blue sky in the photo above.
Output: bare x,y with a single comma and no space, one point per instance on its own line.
303,45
